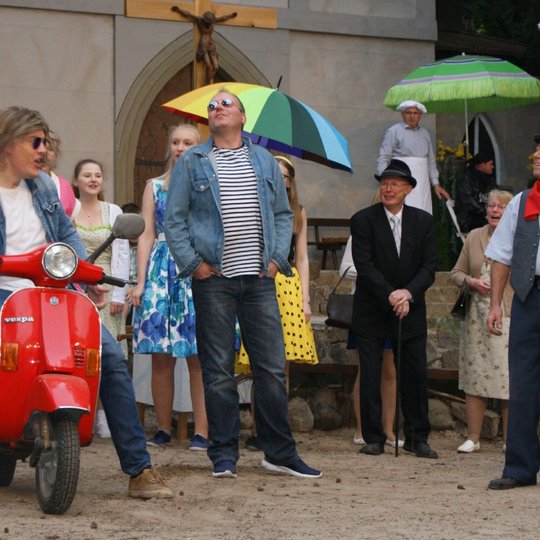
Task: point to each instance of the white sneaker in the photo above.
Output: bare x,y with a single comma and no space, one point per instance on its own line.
400,443
358,440
468,446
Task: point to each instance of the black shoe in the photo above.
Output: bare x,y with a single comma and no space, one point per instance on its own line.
253,444
506,483
372,449
422,450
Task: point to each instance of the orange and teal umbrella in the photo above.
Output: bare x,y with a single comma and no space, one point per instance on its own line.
274,120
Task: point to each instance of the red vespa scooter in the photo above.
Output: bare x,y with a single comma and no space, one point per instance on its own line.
50,365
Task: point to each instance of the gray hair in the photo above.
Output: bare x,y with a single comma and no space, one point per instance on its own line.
504,196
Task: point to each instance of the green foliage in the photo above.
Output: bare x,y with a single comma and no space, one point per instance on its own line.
512,20
506,19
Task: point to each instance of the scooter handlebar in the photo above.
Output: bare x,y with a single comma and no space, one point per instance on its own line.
116,282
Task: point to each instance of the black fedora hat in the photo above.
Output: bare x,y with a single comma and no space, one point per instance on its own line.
397,169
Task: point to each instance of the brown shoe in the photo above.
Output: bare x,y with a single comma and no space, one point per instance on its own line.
149,484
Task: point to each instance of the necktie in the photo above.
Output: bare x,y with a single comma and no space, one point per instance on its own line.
394,221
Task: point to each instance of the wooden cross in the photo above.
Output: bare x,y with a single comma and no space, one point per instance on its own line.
161,9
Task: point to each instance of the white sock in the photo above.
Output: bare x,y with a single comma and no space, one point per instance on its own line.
101,418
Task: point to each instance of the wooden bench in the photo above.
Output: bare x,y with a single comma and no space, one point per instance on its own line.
348,375
327,244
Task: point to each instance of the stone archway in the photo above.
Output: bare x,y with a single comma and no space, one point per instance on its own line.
169,72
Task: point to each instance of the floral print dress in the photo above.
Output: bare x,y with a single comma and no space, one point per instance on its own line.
165,321
483,357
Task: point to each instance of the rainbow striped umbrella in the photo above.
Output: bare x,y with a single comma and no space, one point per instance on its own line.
275,121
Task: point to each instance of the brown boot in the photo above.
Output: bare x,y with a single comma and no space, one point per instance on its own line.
148,484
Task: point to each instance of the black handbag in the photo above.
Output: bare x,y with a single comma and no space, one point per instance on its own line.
340,306
459,311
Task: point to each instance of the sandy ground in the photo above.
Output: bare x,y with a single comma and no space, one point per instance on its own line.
358,497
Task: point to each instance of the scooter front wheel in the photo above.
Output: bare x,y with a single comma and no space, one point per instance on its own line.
7,470
57,471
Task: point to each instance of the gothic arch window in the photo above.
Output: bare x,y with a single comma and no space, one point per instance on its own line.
482,139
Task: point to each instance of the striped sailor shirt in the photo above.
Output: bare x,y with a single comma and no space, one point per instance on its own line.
241,212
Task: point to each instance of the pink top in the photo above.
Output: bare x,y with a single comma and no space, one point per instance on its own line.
66,195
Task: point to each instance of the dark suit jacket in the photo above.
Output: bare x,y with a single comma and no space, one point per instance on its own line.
380,270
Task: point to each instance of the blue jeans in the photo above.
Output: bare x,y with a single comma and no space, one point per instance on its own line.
118,397
218,302
522,456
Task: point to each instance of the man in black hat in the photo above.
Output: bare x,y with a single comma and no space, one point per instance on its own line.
393,247
514,250
472,192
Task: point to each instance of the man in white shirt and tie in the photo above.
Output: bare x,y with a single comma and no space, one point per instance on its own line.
393,248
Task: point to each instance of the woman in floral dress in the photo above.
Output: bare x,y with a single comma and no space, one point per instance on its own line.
164,321
483,358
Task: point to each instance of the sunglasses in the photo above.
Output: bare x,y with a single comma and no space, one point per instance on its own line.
225,102
38,141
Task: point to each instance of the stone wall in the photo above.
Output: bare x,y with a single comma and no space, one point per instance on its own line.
443,330
331,403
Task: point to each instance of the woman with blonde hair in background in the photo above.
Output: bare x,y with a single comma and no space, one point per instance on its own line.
164,318
292,292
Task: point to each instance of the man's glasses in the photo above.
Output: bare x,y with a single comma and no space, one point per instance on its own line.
393,184
225,102
38,141
500,206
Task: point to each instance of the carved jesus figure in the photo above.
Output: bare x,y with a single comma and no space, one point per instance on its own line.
206,49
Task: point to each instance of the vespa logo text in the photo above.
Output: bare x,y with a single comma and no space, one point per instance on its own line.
18,319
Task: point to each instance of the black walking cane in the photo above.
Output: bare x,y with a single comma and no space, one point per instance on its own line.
398,367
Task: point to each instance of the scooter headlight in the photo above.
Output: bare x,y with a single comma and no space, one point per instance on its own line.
59,261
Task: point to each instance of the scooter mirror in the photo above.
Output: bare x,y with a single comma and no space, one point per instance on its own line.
128,226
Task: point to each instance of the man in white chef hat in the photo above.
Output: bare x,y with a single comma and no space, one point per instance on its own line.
411,143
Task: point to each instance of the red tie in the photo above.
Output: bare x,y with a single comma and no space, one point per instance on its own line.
532,206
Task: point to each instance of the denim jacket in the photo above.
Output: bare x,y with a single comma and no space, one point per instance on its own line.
193,222
57,225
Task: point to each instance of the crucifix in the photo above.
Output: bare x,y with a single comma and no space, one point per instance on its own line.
204,15
206,48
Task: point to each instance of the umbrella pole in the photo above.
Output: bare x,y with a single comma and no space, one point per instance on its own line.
466,132
398,369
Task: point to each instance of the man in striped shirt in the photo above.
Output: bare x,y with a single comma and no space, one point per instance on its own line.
229,225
